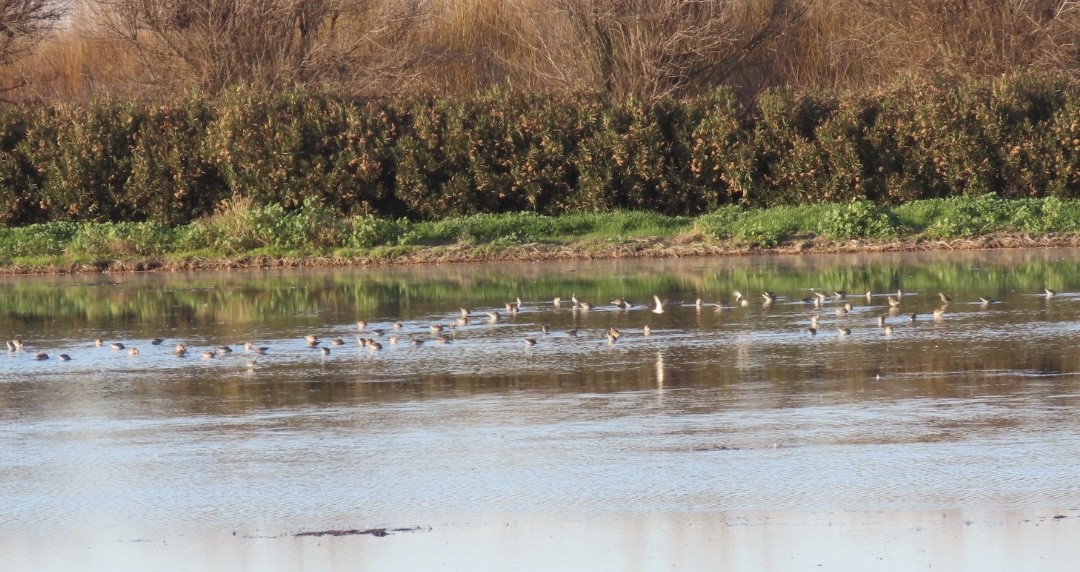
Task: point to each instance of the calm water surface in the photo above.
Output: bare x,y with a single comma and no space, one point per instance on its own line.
727,438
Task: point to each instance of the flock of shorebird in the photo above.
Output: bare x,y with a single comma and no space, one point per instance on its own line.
444,333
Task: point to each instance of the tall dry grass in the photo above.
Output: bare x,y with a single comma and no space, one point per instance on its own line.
635,48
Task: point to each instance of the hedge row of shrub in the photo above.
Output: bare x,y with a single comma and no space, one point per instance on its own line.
429,159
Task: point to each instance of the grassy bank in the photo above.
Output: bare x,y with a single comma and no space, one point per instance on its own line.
243,234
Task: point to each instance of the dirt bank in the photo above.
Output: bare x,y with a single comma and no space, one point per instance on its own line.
647,247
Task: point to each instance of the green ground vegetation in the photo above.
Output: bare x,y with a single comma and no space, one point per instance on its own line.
247,231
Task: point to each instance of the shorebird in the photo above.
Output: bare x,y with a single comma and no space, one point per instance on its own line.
465,312
557,301
374,346
116,346
844,331
208,355
880,321
612,338
894,302
939,313
888,330
612,332
435,328
361,324
325,351
769,297
697,304
840,295
312,340
814,320
659,307
181,350
841,311
99,342
63,357
133,352
157,341
41,356
511,308
585,306
493,316
398,325
544,329
572,333
1049,293
10,346
529,342
620,303
812,331
223,350
986,300
261,350
337,341
944,299
415,342
393,339
646,330
869,296
17,343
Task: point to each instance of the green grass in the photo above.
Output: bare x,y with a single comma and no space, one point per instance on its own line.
312,231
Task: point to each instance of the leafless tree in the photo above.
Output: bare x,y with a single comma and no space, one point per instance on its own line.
657,48
24,23
265,44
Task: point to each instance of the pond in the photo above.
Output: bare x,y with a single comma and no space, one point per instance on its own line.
727,436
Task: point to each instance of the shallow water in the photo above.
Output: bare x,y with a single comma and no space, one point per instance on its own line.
728,437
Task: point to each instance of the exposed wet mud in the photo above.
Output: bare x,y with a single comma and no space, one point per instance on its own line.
643,247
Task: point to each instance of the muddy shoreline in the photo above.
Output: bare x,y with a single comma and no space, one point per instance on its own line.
647,247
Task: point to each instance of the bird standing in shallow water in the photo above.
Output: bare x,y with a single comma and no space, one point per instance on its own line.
529,342
41,356
944,299
63,357
1049,293
116,346
659,307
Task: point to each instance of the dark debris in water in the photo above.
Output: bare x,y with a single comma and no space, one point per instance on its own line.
715,448
377,532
